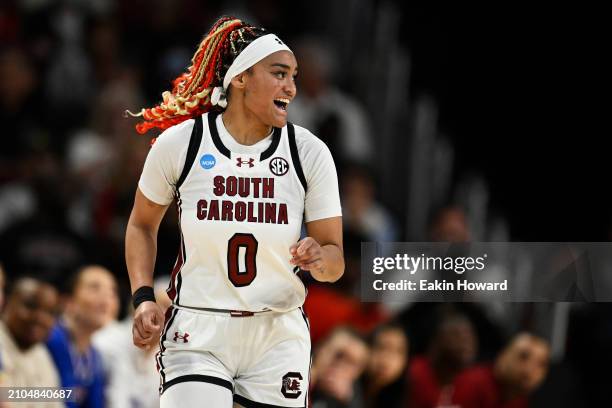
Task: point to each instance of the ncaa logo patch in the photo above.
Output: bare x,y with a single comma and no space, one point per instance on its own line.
208,161
279,166
292,385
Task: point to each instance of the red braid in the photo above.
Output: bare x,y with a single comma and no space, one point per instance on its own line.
190,95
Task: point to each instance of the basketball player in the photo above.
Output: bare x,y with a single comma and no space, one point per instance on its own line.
244,180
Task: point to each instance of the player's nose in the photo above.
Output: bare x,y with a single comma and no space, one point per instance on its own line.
289,88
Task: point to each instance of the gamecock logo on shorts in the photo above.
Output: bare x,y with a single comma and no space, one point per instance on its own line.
292,385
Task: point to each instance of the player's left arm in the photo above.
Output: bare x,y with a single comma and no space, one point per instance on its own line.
320,252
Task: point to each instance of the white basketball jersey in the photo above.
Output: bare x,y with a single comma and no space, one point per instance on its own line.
240,209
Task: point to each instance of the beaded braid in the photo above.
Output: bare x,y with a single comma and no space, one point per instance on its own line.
190,95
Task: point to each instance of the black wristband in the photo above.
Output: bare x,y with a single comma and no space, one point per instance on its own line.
143,294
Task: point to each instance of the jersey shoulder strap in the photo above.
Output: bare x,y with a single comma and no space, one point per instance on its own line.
194,145
295,157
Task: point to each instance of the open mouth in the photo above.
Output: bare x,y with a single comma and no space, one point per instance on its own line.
281,103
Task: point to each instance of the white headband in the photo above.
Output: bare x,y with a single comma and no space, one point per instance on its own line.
251,55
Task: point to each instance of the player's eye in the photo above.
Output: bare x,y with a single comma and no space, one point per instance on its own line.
280,74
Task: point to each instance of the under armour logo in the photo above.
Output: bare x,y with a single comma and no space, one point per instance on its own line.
184,337
240,162
278,41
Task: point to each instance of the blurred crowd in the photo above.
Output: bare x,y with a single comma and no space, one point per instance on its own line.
72,338
69,166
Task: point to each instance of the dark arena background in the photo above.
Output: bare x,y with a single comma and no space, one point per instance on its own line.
447,122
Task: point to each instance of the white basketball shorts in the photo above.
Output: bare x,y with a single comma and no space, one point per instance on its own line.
262,359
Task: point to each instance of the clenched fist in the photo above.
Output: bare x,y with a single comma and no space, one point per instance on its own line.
148,323
307,254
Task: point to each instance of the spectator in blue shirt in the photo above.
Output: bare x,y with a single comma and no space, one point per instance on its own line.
92,302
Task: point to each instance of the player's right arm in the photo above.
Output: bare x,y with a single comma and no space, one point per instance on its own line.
156,189
140,253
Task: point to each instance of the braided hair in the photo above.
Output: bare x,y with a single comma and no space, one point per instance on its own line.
190,95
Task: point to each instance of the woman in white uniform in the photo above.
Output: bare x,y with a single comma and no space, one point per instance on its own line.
245,181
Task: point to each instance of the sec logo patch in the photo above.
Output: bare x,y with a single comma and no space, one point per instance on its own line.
279,166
